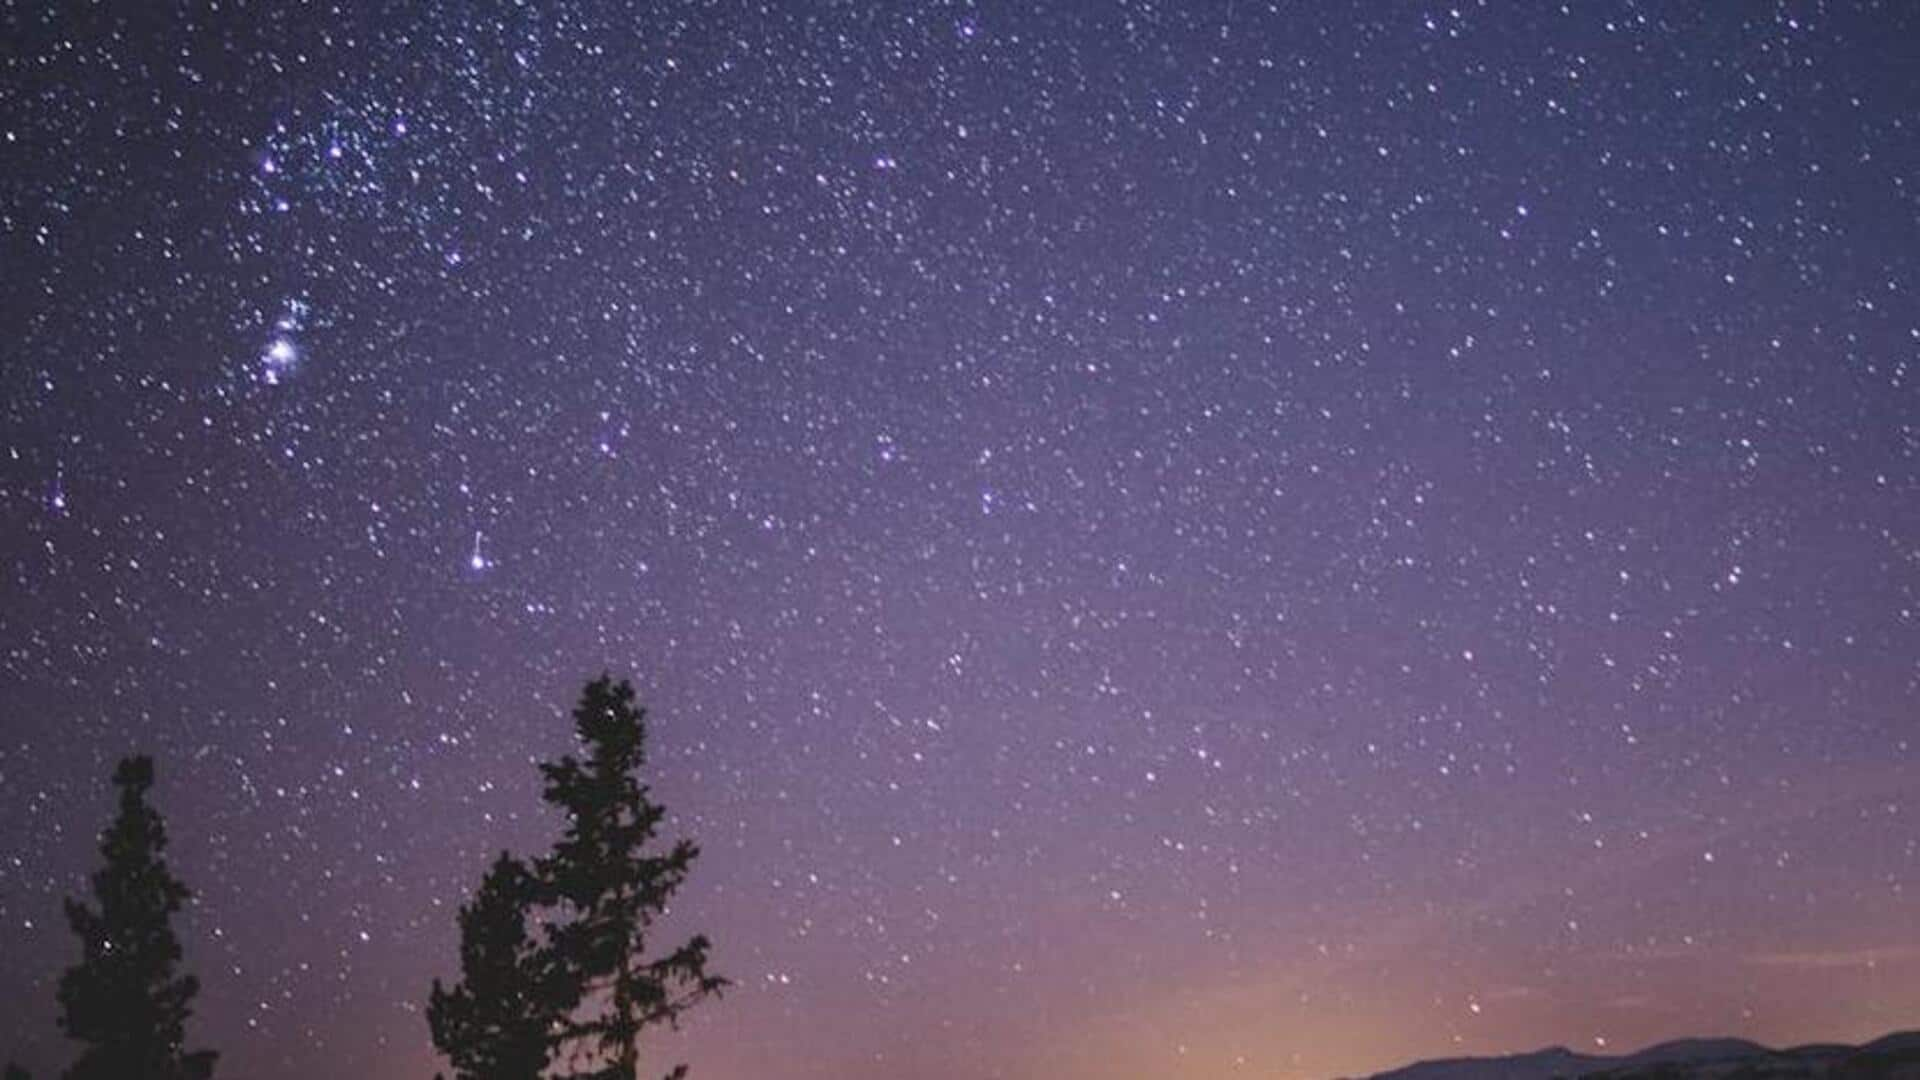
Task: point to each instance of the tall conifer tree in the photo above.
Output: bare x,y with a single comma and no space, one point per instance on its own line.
125,999
611,889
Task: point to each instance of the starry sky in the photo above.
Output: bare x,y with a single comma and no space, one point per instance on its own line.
1162,539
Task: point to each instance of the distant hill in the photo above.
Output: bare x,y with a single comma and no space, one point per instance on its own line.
1895,1057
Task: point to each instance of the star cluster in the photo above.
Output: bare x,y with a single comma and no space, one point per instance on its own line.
1161,539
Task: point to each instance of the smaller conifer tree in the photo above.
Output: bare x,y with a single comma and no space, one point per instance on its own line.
498,1021
125,999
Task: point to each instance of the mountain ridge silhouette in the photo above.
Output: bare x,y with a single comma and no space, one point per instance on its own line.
1891,1057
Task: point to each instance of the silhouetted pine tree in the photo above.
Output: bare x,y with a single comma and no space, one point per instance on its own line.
497,1022
611,889
124,998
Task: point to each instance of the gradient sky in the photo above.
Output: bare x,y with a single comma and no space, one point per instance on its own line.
1174,540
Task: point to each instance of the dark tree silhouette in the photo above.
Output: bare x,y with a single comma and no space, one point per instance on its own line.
125,999
15,1072
498,1021
610,890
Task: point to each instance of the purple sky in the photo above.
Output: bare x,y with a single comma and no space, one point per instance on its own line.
1175,540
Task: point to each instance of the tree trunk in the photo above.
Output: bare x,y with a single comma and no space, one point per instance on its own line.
623,1007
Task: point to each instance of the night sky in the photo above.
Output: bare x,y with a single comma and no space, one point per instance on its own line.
1175,540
